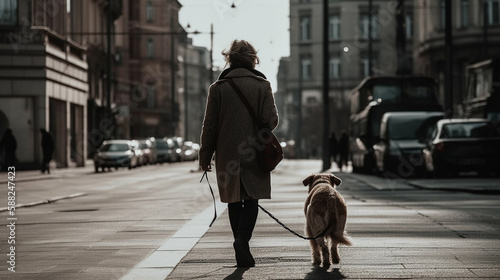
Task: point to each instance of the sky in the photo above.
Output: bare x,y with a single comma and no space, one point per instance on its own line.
263,23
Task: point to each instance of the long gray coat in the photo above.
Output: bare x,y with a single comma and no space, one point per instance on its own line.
229,131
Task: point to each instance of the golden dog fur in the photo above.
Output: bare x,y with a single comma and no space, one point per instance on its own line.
326,212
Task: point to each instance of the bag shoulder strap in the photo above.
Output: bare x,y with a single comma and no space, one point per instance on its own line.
245,101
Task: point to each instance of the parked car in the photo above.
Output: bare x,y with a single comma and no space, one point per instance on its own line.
190,151
397,148
459,145
115,153
177,148
164,150
148,150
138,153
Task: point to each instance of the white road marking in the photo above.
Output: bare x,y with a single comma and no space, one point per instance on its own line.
160,263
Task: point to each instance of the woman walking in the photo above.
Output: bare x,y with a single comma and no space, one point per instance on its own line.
229,132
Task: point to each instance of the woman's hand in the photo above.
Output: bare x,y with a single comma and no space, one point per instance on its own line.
207,168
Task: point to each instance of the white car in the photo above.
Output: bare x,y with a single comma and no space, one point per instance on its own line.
115,153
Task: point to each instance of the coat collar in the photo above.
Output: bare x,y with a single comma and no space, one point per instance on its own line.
241,72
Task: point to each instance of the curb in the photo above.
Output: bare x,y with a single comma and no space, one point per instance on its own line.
455,189
47,177
50,200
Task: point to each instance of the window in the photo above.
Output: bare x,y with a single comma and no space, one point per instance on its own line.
365,26
334,27
305,28
387,93
149,11
464,13
151,98
493,11
311,100
8,12
409,27
334,68
70,16
365,67
469,130
305,68
135,46
443,15
150,50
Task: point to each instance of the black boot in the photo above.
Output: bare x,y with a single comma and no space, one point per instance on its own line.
243,256
248,218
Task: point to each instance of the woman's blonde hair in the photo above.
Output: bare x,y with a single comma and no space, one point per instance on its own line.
241,54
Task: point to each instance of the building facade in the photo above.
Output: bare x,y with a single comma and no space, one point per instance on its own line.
196,73
44,80
153,63
284,102
350,61
91,21
87,73
475,37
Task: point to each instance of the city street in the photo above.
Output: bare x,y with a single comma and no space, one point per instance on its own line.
95,92
152,223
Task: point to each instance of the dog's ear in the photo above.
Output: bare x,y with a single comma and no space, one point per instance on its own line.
335,180
307,180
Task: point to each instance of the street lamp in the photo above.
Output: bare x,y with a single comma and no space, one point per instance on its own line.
326,91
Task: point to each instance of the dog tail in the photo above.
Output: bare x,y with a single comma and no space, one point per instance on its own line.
341,235
343,238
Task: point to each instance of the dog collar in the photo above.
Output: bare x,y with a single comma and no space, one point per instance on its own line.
317,182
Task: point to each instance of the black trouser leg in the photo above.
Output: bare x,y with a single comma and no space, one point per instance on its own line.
234,211
248,218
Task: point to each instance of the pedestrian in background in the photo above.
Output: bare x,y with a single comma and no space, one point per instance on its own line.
8,146
47,150
344,150
333,147
229,132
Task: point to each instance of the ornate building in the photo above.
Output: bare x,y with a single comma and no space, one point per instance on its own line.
475,37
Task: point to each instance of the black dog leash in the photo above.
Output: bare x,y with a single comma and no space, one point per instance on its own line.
290,230
265,211
213,197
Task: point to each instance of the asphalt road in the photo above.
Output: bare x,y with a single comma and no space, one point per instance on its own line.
120,217
105,225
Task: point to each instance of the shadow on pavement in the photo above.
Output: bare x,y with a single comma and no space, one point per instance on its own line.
237,273
322,273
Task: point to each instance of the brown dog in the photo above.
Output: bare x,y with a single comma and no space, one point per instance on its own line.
326,214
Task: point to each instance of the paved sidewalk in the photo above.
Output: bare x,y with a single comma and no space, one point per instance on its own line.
33,175
390,241
473,185
469,184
